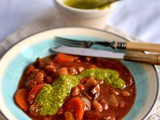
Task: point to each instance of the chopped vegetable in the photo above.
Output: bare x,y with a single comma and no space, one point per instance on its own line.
33,93
20,99
76,107
62,58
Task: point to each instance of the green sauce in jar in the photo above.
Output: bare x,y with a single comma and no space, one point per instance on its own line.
85,4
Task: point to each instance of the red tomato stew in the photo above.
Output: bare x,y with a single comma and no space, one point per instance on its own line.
66,87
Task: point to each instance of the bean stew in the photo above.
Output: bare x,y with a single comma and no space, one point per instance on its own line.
67,87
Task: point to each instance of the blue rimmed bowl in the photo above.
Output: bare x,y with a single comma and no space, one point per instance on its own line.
23,53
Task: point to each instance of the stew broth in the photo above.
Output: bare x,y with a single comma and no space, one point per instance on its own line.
66,87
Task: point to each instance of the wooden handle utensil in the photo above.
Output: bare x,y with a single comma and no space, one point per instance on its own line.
143,46
145,58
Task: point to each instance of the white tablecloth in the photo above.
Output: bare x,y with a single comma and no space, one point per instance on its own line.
138,18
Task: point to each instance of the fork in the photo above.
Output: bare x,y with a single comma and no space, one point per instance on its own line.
136,46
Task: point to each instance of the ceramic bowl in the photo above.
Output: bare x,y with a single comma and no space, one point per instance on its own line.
13,63
83,17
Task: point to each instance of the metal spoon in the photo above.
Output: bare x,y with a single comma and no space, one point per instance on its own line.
107,3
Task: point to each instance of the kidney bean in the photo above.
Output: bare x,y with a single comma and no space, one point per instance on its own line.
102,101
130,91
109,117
81,87
34,71
50,63
104,104
112,101
97,106
91,82
88,59
92,115
40,77
50,69
78,61
121,104
73,71
63,71
32,83
39,62
60,111
48,79
113,91
29,69
75,91
30,77
125,93
80,69
83,80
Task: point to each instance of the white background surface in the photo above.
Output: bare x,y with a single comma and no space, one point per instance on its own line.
138,18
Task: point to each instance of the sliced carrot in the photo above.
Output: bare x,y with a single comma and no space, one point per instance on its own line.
76,107
20,99
33,92
62,58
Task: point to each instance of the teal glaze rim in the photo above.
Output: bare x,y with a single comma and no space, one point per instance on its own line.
18,56
154,67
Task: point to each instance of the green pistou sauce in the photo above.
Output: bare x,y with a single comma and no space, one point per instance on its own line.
84,4
51,97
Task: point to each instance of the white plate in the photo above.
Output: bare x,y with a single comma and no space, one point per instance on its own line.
20,55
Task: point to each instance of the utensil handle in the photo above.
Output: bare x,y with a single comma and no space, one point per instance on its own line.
143,46
145,58
136,46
